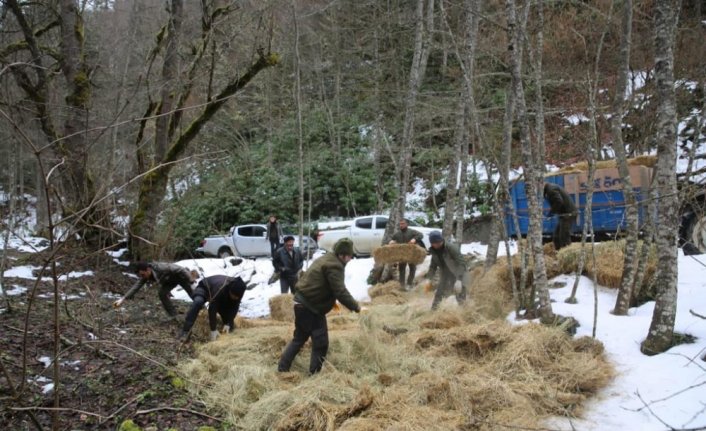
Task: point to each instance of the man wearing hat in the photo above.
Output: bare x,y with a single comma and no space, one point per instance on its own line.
288,261
446,255
223,295
317,291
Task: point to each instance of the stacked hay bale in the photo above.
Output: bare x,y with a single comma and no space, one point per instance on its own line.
394,253
282,308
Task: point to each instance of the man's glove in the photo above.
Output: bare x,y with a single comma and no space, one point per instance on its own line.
214,335
118,303
458,286
226,329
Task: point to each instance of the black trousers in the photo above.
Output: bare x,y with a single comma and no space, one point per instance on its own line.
287,283
306,324
274,245
401,267
562,232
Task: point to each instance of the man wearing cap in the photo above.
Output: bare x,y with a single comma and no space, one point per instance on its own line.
223,295
446,255
316,293
167,275
407,236
288,261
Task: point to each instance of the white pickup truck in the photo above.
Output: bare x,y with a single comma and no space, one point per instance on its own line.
246,241
366,234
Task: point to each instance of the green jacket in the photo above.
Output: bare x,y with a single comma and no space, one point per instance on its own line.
449,259
408,235
322,284
166,274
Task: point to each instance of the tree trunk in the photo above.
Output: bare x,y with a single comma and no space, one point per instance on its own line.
622,302
300,132
659,337
422,40
533,178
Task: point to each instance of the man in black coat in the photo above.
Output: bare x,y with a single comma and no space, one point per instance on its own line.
560,203
288,261
223,295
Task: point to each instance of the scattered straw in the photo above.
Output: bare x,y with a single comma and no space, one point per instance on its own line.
400,367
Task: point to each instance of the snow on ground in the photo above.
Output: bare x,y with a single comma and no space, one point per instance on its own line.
672,384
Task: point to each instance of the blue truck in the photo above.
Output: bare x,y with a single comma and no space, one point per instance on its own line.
608,205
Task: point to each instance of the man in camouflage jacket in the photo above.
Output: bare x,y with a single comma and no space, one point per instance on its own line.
446,255
407,236
167,276
316,293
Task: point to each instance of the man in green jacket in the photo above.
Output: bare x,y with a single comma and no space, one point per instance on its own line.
446,255
317,291
167,275
407,236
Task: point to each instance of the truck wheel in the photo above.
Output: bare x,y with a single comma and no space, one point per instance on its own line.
225,252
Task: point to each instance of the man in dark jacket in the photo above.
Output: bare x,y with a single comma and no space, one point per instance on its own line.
223,295
288,262
317,291
446,255
274,234
560,203
167,275
407,236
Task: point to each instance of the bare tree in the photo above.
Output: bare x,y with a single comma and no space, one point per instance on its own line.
424,25
622,302
171,138
659,337
533,177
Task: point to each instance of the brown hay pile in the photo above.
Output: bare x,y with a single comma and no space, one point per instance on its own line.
609,262
492,291
400,367
393,253
387,293
282,308
387,288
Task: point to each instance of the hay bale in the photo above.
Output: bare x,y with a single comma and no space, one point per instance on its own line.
282,308
394,253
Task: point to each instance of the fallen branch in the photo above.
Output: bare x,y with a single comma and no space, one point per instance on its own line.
694,313
56,409
98,351
177,409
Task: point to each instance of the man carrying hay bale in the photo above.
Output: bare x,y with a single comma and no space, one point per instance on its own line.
317,291
167,275
560,203
407,236
288,261
454,276
223,295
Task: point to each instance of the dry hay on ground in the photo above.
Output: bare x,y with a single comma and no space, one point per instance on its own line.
608,264
387,293
393,253
491,291
282,308
390,367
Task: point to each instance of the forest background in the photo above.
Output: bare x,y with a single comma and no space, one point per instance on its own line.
306,109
